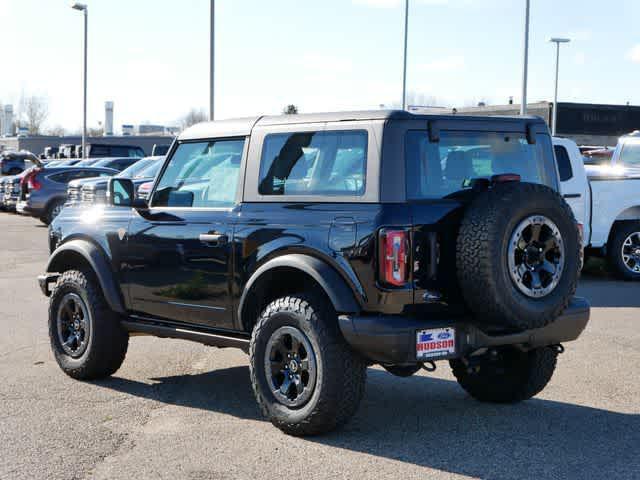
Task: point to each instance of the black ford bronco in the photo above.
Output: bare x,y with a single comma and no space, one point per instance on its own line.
322,244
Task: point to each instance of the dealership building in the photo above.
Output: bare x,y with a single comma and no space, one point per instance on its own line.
37,143
585,123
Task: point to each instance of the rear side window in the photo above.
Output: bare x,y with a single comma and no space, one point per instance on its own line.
436,170
314,163
564,163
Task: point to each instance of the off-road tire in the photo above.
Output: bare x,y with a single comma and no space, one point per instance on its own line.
341,373
614,249
108,342
524,374
482,256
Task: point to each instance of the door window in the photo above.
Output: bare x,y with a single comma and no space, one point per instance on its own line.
201,174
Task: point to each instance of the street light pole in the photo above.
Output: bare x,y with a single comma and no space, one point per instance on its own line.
83,8
525,65
212,61
404,66
554,119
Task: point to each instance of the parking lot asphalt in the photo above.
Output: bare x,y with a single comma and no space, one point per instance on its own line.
182,410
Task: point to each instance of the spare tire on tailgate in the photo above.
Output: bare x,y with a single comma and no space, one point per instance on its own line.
518,256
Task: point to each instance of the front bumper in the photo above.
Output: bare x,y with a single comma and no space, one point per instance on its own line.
391,339
45,282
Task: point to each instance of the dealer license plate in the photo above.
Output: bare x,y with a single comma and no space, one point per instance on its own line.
435,343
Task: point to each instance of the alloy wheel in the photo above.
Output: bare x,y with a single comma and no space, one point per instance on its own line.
73,325
631,252
290,366
536,256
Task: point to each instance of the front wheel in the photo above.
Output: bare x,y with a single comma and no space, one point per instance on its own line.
624,250
305,377
52,211
86,337
506,375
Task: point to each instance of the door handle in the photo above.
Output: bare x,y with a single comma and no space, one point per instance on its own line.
217,238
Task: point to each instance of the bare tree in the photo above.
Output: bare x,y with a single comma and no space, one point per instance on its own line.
194,116
290,109
95,132
35,110
57,131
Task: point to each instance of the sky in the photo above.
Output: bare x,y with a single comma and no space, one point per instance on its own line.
151,57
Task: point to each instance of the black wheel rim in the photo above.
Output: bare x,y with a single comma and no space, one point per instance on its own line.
73,325
631,252
290,366
536,256
55,211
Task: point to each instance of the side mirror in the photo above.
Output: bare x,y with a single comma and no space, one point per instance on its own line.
121,192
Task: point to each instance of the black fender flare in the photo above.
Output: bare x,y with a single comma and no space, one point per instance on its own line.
96,259
339,292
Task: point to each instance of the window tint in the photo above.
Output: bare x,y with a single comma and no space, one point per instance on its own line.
564,163
202,174
314,163
99,151
630,154
435,170
122,163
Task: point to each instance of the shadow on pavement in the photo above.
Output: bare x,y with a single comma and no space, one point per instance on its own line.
431,422
609,292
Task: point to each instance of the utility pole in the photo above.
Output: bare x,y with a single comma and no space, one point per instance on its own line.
525,65
212,59
404,66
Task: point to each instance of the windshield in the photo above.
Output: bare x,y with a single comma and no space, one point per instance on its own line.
151,170
436,170
133,170
630,154
85,163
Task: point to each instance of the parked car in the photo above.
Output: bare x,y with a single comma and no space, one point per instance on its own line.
99,150
14,163
65,162
627,154
44,191
160,149
11,191
87,162
606,203
92,191
323,243
51,152
597,156
7,185
3,180
67,151
144,189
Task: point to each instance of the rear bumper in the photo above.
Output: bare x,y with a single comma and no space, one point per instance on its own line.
392,339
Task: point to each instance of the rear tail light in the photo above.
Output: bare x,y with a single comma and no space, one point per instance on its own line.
145,188
581,232
394,257
31,181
